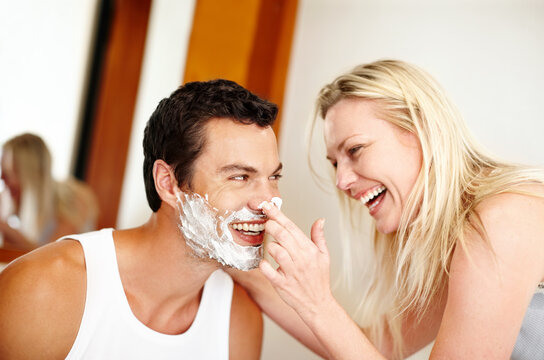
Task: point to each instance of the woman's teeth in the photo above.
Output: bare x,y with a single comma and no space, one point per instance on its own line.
248,227
365,199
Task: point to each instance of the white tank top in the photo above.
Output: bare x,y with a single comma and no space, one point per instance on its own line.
109,329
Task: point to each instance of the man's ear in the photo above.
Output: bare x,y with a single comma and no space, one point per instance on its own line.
166,184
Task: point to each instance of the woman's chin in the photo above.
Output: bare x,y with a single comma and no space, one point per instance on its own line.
386,228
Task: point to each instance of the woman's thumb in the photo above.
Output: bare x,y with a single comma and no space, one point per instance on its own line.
318,235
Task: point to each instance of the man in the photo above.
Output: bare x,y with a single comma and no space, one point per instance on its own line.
154,292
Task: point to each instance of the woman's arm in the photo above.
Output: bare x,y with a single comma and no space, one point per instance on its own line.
14,239
418,333
302,281
262,292
490,286
487,296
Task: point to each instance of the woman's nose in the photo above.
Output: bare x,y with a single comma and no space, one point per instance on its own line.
345,176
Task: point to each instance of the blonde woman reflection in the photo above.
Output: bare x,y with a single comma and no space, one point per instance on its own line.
42,209
459,234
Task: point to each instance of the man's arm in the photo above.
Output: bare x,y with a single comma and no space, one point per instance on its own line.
42,297
246,327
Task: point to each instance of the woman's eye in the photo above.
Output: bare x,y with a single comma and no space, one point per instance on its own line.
276,177
354,149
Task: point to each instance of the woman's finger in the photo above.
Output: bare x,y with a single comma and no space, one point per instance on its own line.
275,214
270,273
282,237
318,236
281,256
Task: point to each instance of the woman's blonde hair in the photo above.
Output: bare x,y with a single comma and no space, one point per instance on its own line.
31,161
411,266
44,201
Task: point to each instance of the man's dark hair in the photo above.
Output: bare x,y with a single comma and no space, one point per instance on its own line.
176,131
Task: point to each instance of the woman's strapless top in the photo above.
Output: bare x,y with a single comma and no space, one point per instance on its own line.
530,342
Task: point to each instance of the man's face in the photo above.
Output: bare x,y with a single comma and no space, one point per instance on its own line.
236,171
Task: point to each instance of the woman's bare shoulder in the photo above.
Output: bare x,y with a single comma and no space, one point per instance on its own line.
513,219
524,194
514,229
493,276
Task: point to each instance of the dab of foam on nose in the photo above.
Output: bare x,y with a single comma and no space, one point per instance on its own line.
275,200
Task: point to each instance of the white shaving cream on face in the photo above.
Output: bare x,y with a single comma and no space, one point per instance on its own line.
207,233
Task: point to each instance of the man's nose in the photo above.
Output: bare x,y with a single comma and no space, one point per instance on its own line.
345,176
263,192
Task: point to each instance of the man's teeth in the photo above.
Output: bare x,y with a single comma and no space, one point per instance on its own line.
248,227
365,199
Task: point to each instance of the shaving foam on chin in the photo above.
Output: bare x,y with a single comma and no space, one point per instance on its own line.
207,233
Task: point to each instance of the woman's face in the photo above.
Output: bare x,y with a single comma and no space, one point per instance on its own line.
10,178
376,162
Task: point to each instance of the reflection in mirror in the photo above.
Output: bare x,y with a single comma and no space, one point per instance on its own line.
44,67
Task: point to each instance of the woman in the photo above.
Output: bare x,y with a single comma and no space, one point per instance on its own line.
43,209
458,245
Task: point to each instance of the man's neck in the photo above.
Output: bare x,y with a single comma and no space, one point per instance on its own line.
162,279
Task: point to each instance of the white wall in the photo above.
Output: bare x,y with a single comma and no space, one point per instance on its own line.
44,50
163,66
487,54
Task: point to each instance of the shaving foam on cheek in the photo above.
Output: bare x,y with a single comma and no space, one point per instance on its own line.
207,233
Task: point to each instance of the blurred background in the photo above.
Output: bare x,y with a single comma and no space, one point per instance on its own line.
85,76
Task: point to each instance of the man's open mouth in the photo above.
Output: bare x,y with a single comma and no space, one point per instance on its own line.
251,233
248,228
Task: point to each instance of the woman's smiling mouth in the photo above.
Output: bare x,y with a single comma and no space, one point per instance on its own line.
373,197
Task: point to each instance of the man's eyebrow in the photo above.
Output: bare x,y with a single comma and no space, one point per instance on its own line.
278,169
237,167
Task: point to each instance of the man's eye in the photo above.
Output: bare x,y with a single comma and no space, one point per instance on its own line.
239,177
276,177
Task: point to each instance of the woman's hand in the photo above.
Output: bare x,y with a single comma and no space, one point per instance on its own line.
303,282
302,278
13,238
268,299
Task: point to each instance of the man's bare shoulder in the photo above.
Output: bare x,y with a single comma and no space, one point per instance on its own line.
42,297
45,269
246,326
